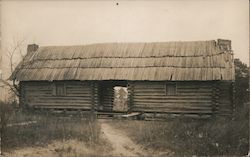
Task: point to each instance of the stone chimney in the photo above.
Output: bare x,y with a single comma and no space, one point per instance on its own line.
224,44
32,48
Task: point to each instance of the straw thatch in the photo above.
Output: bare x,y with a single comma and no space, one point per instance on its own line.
198,60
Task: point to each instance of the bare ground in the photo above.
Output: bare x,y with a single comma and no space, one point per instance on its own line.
122,144
118,144
70,148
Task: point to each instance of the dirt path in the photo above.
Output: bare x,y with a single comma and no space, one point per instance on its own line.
123,146
69,148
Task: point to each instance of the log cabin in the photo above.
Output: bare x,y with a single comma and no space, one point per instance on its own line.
184,77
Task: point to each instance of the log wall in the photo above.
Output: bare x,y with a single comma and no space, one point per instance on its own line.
191,97
106,92
199,97
225,100
78,95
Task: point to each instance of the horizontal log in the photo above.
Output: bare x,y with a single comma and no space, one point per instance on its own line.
178,91
107,101
37,94
79,95
150,88
103,104
50,91
41,87
193,86
72,98
66,95
63,107
107,97
61,104
224,102
38,91
174,107
107,104
194,93
83,92
68,101
172,104
78,86
164,94
173,111
177,100
196,90
190,83
149,84
79,90
173,97
178,88
38,88
173,101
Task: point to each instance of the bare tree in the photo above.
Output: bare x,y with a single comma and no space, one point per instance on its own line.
14,54
6,108
15,49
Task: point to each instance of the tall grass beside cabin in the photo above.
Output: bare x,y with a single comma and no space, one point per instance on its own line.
6,111
187,137
41,129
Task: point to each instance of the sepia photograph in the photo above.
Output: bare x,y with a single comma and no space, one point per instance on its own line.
124,78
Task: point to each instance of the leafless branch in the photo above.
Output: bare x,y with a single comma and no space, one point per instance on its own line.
13,87
16,47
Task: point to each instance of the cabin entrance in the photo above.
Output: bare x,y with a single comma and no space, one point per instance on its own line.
113,96
120,99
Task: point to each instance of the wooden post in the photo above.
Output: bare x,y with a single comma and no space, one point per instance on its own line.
93,96
22,99
130,96
214,101
97,96
100,96
217,96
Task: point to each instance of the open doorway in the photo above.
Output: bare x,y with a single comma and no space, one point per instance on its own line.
120,103
113,96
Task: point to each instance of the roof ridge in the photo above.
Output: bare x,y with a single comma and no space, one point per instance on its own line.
129,42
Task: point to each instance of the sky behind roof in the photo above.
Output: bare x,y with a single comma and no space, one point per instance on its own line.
82,22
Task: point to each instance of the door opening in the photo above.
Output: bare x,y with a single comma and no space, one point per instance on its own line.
120,102
113,96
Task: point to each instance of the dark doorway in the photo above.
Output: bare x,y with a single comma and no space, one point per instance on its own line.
109,98
120,103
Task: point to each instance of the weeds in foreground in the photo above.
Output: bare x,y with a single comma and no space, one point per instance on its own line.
6,111
48,128
187,137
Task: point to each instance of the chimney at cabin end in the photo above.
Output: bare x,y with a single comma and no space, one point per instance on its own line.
32,48
224,44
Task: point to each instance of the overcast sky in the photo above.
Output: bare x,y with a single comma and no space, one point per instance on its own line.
82,22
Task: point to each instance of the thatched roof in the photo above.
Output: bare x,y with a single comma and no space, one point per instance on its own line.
197,60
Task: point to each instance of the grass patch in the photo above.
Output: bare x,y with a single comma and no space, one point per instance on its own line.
49,128
214,136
